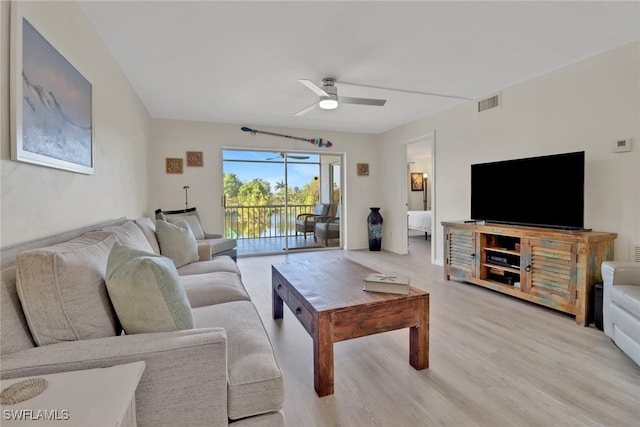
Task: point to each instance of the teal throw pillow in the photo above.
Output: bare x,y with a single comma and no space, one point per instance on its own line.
146,292
177,242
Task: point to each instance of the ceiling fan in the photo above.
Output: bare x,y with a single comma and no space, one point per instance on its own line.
329,98
282,155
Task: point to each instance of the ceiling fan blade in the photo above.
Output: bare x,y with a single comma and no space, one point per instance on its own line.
362,101
307,109
314,87
290,156
415,92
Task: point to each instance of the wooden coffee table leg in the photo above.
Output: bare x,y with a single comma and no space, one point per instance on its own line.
276,305
323,358
419,338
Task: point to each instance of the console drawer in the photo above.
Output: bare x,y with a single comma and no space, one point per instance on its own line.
300,311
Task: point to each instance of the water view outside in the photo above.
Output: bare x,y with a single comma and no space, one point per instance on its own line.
255,192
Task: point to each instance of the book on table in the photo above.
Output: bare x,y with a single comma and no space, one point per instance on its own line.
387,283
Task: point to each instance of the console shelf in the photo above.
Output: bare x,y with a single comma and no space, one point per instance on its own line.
501,268
503,251
554,268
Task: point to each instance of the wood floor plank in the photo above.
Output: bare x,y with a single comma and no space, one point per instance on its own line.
494,360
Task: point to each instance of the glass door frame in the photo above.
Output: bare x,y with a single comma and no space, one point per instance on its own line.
287,163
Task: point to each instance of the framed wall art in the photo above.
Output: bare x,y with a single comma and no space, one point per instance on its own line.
194,158
363,169
173,165
51,104
417,181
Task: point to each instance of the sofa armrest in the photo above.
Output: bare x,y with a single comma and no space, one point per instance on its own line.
204,251
324,218
615,273
620,273
212,235
184,382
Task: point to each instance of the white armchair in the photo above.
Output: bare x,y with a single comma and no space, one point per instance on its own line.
219,244
621,305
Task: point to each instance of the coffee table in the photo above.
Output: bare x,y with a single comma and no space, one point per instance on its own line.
328,300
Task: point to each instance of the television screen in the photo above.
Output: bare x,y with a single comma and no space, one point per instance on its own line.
546,191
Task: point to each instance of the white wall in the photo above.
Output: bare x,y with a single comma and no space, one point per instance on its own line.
585,106
172,138
39,201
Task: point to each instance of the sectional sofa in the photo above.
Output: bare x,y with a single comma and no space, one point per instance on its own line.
58,315
621,305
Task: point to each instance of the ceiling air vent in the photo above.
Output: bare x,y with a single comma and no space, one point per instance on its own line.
489,103
634,252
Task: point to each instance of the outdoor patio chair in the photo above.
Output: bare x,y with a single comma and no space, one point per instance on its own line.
306,222
328,228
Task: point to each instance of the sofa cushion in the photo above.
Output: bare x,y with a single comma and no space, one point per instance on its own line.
254,378
62,289
213,288
192,220
146,292
148,228
220,263
129,234
177,242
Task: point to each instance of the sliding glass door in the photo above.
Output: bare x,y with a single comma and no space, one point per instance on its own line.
264,194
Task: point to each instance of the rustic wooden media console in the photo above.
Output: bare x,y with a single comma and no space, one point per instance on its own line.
554,268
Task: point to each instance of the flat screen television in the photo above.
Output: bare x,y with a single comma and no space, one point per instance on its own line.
545,191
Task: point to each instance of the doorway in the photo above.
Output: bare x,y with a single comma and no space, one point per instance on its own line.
265,192
420,199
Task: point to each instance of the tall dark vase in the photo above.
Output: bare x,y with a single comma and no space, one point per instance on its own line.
374,229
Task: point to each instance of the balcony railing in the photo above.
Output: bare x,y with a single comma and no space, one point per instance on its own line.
251,222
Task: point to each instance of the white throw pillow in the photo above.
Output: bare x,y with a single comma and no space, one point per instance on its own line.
177,242
149,230
194,224
129,234
62,291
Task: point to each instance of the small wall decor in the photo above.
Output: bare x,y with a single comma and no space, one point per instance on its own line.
51,102
363,169
417,181
194,158
174,165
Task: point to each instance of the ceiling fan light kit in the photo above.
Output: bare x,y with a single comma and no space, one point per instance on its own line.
328,102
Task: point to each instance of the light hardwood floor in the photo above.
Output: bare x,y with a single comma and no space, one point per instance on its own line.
494,360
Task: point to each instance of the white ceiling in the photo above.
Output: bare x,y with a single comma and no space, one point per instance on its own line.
238,62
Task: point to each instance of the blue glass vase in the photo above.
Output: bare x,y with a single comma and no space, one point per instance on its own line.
374,229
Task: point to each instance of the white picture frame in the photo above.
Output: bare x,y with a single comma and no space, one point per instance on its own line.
51,103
